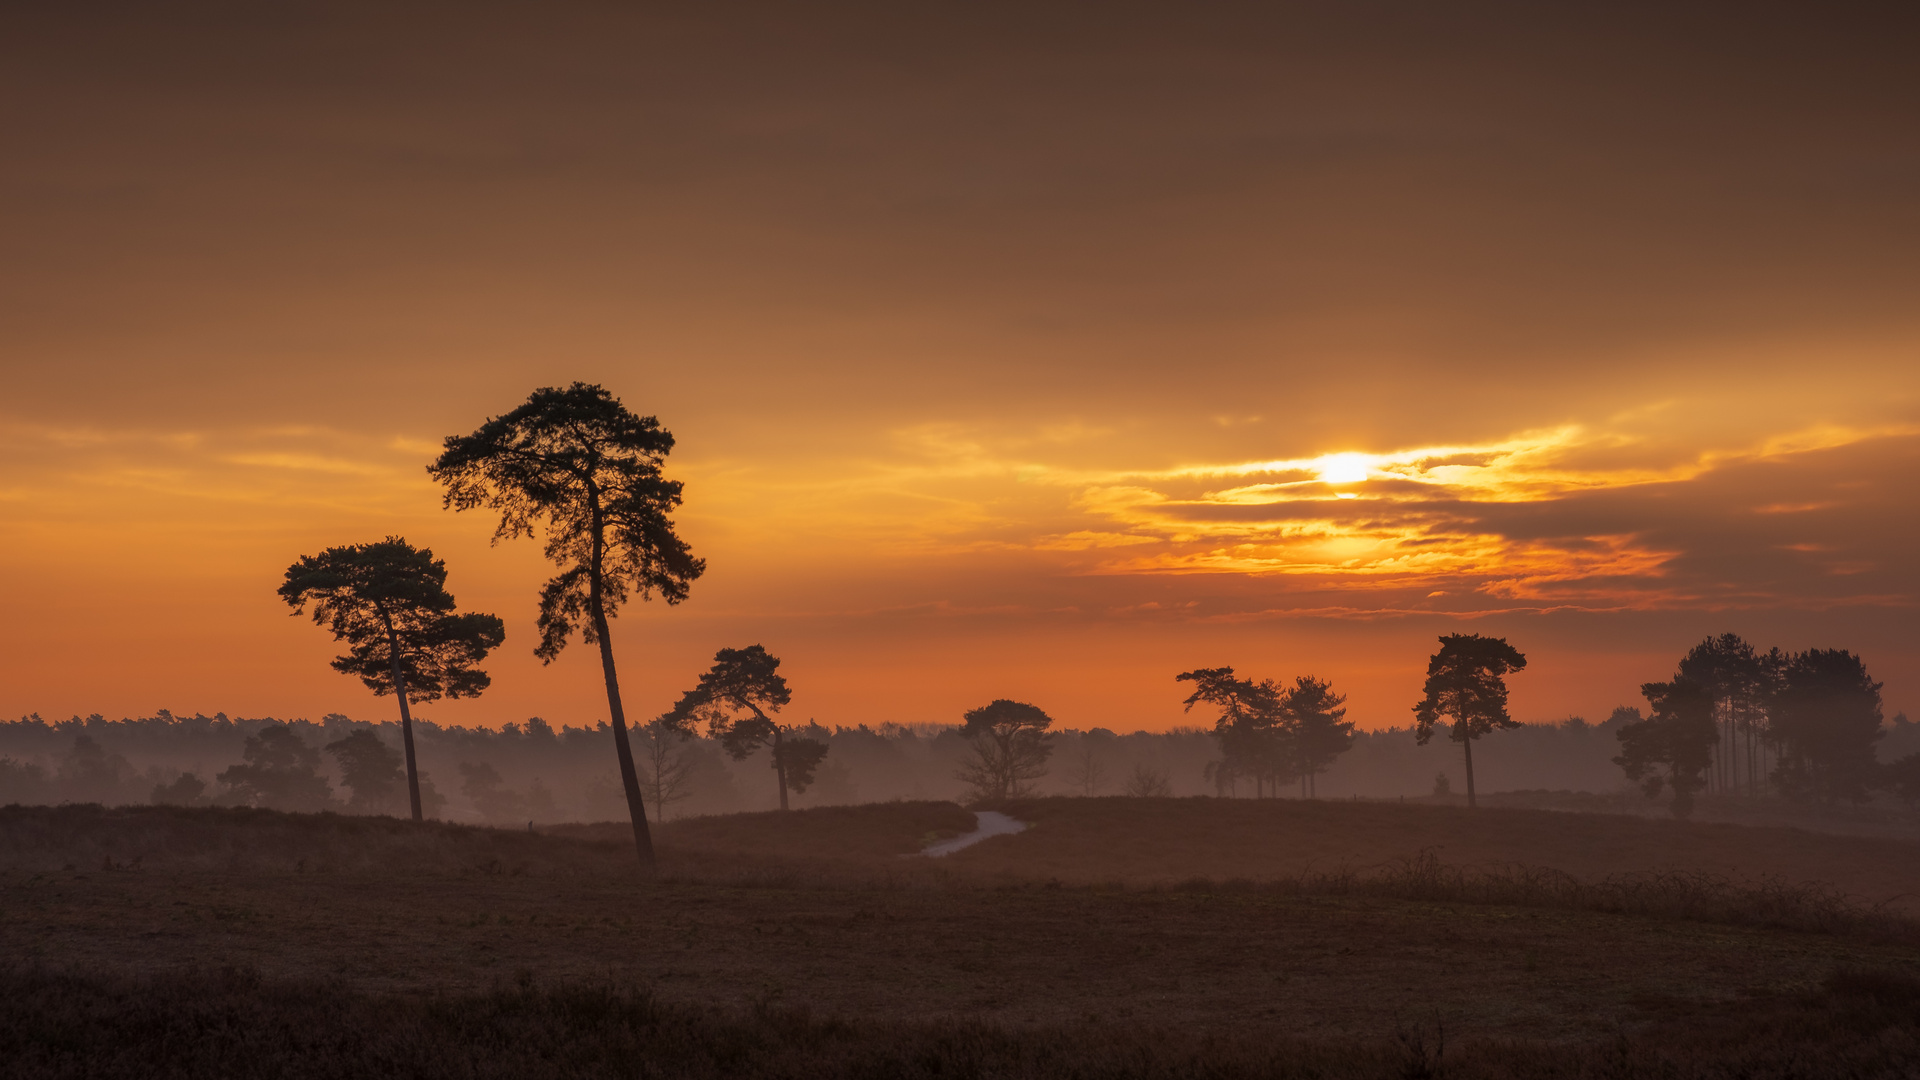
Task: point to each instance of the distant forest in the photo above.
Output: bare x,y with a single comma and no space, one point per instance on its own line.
534,772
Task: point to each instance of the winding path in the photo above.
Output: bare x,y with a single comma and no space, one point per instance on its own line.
986,823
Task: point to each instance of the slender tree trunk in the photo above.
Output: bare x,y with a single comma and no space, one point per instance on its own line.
406,716
779,766
656,758
1471,801
622,746
1716,776
1733,752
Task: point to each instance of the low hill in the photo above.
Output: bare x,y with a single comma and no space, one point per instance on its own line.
89,837
1162,841
1140,842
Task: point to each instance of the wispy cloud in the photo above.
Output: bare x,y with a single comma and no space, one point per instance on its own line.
1587,517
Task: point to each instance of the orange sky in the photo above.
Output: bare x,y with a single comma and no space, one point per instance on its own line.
1011,352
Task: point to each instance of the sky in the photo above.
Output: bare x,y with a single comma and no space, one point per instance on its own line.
1039,351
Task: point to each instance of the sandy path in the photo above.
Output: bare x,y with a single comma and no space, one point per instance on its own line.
986,823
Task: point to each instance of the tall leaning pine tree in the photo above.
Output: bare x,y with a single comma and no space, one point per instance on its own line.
579,466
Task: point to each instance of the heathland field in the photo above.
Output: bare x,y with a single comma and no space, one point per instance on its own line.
1115,937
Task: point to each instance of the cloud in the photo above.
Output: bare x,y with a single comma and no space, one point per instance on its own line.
1569,517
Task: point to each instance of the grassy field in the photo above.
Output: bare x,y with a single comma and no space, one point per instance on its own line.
1141,841
1115,937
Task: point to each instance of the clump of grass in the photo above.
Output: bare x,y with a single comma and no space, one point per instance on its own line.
234,1023
1699,897
89,836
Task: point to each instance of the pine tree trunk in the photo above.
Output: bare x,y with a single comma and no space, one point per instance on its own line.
1733,754
622,746
1471,801
406,717
657,761
779,767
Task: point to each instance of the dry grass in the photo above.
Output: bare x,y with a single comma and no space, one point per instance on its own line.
1162,841
868,834
984,964
231,1023
216,839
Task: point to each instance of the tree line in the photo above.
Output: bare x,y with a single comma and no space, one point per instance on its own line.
1270,734
1736,721
552,772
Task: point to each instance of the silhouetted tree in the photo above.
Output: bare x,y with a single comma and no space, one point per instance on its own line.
1252,726
278,770
1149,783
389,602
1088,773
1737,679
539,804
1008,745
22,782
371,768
1902,777
1466,682
733,698
666,772
483,785
576,462
1321,732
1828,718
1672,747
186,790
89,773
432,803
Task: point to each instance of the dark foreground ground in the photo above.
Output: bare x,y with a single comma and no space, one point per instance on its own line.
166,942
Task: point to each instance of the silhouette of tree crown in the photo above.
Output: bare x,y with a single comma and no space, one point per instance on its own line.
1466,681
1243,703
1005,718
741,680
360,591
576,462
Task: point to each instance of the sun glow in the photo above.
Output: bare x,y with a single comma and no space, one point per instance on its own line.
1343,468
1425,514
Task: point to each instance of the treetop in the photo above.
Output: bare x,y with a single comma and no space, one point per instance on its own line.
1002,716
746,679
1466,681
580,464
390,596
390,574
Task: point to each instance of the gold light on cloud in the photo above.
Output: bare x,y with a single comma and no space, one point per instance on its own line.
1396,520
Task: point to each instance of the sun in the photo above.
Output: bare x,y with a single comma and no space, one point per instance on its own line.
1342,468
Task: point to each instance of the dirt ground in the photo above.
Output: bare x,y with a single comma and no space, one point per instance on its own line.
1002,931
